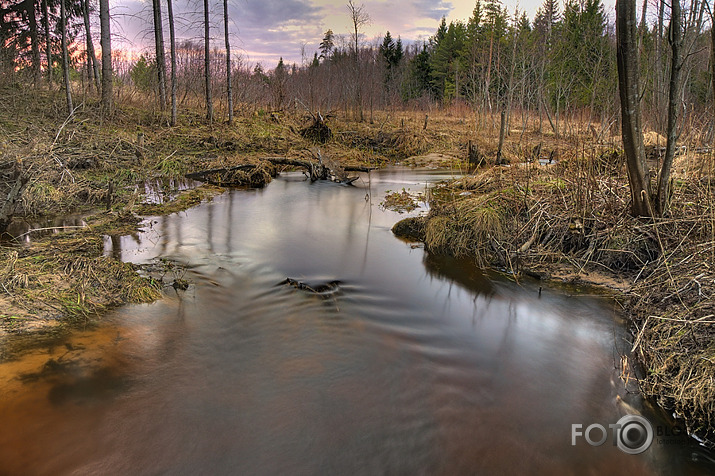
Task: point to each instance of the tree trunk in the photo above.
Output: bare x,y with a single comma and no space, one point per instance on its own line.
159,47
65,57
106,43
502,134
91,56
659,67
207,65
34,42
642,28
172,46
229,93
48,39
488,80
712,56
629,92
675,38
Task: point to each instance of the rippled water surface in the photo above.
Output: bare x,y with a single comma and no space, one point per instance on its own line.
416,364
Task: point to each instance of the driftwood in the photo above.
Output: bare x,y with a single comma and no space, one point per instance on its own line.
325,289
322,169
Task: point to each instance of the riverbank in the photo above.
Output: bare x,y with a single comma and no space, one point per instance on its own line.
67,277
570,223
94,162
560,211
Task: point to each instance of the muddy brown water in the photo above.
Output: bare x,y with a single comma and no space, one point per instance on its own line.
417,364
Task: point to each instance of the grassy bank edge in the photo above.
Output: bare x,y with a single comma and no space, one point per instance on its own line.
66,279
525,222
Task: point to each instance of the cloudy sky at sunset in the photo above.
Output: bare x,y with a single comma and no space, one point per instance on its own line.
265,30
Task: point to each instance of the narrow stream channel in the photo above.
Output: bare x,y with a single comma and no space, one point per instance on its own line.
415,364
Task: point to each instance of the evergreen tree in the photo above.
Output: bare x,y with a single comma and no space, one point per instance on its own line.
391,54
419,76
578,62
546,19
445,59
326,46
441,32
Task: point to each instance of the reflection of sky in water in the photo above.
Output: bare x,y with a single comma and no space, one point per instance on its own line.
417,365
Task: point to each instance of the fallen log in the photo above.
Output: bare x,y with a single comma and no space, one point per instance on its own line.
247,175
258,175
322,169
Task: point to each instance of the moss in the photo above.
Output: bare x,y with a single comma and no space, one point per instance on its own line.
411,229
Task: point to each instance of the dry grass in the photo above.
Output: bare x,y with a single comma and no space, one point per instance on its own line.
571,221
539,220
66,276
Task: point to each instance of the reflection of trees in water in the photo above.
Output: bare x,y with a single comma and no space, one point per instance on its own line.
460,271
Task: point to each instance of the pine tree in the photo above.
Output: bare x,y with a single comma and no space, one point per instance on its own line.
445,60
419,76
326,46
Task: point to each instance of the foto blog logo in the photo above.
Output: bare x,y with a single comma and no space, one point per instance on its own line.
633,434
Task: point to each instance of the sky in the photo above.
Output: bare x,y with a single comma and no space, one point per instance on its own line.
262,31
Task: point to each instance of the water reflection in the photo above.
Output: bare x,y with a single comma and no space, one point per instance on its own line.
23,230
160,190
419,364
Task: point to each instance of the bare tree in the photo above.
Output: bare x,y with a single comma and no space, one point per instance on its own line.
229,93
91,56
207,65
48,42
712,51
359,18
34,41
65,57
106,43
629,91
159,47
675,38
172,46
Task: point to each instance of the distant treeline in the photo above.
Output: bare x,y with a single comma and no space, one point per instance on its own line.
560,64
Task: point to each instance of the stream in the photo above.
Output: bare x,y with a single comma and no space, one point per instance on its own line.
411,364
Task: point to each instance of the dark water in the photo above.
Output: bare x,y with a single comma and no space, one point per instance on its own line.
417,364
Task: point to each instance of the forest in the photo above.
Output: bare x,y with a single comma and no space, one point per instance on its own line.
586,139
559,66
